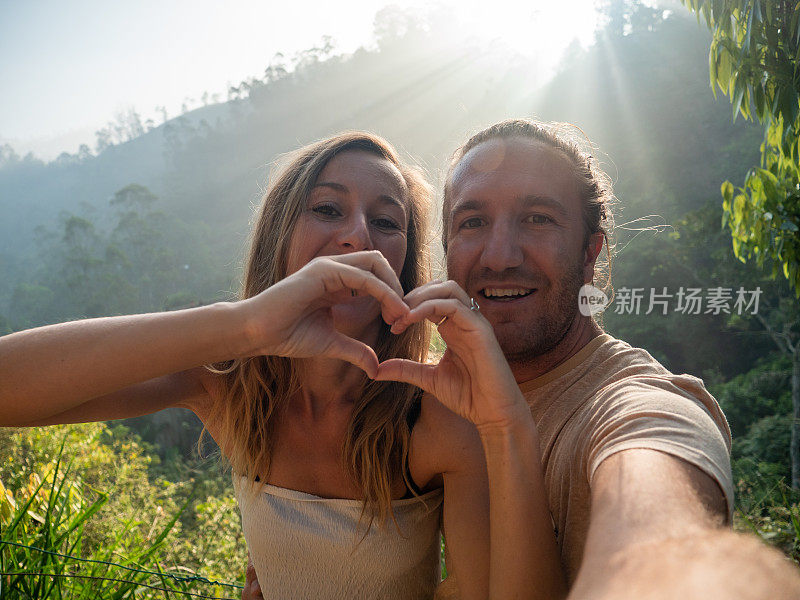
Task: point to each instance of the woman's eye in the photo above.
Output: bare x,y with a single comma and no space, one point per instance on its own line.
385,223
326,210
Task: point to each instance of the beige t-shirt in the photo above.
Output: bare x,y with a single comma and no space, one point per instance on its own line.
611,397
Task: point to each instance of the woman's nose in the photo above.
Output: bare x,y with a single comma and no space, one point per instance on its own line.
355,234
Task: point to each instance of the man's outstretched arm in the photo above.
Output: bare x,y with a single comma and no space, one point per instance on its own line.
657,531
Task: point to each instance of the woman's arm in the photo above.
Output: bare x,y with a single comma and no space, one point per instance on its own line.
70,371
186,389
474,380
52,374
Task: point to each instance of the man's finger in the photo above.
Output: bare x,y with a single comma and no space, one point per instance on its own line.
436,310
252,589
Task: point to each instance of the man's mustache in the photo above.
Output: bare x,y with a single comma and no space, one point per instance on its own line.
521,277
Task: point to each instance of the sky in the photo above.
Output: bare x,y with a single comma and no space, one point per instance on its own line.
67,67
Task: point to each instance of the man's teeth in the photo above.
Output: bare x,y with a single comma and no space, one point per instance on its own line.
502,292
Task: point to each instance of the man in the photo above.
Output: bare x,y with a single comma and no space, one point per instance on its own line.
635,458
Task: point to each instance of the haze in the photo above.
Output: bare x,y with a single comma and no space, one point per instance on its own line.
69,68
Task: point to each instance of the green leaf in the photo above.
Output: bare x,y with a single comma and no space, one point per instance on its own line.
749,28
737,100
713,72
727,191
724,70
759,100
788,105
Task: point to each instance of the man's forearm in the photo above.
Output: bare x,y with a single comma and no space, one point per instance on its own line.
714,563
524,554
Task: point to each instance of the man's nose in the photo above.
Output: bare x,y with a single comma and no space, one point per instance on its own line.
355,234
502,250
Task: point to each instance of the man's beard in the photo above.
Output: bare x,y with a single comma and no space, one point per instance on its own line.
535,337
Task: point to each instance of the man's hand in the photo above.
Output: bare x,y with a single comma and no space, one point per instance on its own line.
252,590
474,381
472,378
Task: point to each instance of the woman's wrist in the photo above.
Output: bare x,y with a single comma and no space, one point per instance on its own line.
222,328
255,326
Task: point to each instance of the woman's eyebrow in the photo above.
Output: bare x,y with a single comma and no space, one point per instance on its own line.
391,200
338,187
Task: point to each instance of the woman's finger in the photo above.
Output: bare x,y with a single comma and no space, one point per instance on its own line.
407,371
434,290
353,351
374,262
337,277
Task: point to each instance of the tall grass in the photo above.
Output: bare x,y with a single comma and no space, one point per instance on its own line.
767,506
45,553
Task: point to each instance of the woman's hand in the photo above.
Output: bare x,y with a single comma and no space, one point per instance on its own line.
294,317
473,378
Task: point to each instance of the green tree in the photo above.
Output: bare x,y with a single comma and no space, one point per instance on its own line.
754,60
778,313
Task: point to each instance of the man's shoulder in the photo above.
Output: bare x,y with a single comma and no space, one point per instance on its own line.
603,361
616,383
622,398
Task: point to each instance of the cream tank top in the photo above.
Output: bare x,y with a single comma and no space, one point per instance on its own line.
305,546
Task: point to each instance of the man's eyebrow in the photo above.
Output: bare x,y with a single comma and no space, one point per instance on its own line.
465,206
547,202
527,202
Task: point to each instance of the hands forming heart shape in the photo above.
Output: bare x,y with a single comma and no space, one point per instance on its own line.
294,318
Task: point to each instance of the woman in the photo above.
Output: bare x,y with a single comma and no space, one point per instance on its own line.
339,476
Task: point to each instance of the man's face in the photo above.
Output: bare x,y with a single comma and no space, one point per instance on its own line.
515,242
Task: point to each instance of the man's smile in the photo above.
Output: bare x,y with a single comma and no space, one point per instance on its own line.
505,294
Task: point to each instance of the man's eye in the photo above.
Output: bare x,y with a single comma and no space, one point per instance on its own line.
539,219
471,223
326,210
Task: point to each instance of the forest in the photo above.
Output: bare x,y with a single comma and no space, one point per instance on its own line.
155,217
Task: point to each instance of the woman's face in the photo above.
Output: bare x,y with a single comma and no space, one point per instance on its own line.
359,202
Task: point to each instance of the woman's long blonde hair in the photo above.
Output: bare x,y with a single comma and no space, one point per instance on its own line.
377,443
